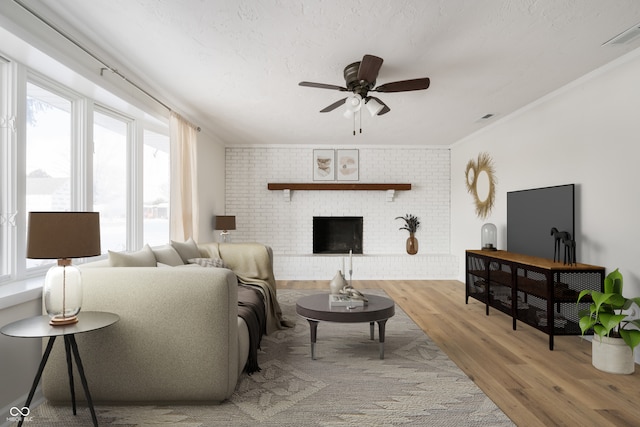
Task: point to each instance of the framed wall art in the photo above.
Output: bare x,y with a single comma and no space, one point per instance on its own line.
347,165
324,165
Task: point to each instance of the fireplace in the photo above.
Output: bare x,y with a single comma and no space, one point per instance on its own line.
337,234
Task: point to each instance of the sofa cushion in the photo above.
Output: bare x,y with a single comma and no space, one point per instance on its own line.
142,258
186,250
208,262
167,255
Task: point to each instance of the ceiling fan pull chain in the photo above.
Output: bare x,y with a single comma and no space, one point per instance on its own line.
360,116
354,124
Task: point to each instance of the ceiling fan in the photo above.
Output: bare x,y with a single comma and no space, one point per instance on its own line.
360,79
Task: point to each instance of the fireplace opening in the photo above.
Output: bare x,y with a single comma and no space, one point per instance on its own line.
337,234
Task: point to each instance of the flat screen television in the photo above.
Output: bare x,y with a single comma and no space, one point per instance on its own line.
531,214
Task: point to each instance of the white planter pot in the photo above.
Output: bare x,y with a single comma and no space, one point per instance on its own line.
612,355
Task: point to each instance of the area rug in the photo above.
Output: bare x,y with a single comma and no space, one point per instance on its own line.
347,385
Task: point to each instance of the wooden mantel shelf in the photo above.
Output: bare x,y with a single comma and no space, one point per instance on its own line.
337,186
341,186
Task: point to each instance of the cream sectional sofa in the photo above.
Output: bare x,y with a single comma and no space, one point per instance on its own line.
179,337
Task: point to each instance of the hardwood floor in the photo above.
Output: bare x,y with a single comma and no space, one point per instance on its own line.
532,385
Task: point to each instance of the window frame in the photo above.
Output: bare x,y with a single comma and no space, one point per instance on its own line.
131,166
7,126
14,77
77,107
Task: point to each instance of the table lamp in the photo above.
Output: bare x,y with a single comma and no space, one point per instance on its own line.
62,236
489,237
225,223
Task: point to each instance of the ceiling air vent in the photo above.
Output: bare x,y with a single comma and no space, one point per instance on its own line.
625,36
485,117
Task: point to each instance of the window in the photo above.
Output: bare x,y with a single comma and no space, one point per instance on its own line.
6,125
110,147
61,151
47,154
156,188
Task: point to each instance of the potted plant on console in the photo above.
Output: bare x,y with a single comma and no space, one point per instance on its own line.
411,224
613,343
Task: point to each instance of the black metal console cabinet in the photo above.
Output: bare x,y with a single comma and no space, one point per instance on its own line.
538,291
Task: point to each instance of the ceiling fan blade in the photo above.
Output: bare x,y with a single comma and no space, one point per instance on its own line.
333,106
385,108
323,86
369,68
404,85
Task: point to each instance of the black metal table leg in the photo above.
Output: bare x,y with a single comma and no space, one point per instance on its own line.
381,330
83,379
67,351
313,328
36,380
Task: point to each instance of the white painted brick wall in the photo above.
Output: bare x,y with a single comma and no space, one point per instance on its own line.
265,216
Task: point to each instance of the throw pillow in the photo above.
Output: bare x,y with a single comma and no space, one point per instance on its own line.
186,250
142,258
209,262
167,255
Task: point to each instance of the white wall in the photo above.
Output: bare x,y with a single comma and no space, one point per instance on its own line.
265,216
211,184
587,133
19,360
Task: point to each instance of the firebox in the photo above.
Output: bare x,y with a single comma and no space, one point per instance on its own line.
337,234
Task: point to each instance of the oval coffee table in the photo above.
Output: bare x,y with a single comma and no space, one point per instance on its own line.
316,308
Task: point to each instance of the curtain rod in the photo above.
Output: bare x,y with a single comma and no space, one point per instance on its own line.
105,65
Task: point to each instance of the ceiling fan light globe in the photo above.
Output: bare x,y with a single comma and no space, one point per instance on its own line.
354,103
374,107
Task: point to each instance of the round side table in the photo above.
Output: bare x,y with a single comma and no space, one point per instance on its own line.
39,327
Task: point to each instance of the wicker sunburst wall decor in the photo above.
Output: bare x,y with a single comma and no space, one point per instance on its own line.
478,169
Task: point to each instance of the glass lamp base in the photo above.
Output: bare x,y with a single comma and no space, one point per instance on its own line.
62,293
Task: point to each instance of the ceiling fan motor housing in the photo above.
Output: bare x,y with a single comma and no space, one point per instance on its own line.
361,87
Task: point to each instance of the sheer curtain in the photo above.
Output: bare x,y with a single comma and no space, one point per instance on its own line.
184,179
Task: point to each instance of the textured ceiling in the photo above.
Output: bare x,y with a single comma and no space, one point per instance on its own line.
233,66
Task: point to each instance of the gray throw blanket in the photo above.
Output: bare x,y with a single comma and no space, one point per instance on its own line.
251,309
252,265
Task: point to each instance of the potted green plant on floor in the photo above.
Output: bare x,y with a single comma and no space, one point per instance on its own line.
615,336
411,224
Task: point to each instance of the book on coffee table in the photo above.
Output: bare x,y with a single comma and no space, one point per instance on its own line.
344,301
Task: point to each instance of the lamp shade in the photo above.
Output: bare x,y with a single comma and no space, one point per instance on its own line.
373,106
59,235
353,103
225,222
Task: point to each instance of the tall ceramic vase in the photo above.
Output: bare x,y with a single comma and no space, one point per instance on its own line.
337,283
412,244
